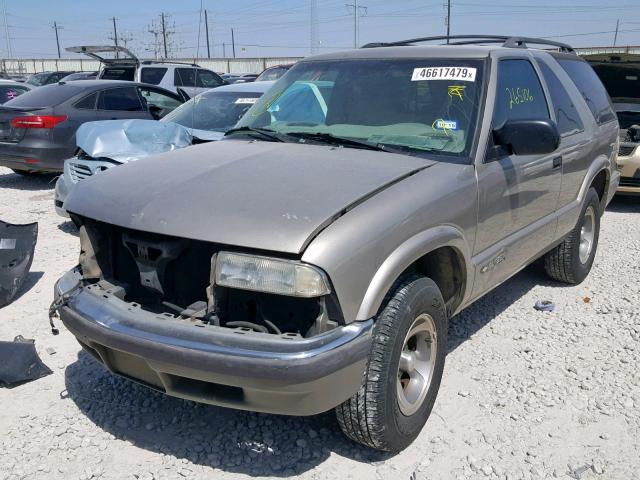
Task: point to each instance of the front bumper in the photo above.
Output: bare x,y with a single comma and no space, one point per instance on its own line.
629,173
217,365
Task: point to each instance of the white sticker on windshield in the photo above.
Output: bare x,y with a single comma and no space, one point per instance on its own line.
465,74
7,243
246,100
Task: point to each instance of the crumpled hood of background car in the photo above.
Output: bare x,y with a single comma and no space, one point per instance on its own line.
126,140
262,195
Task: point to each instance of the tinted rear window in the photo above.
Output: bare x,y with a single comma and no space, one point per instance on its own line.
591,88
9,92
152,75
118,73
124,99
567,116
46,96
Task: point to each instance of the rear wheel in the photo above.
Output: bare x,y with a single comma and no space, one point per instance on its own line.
571,261
404,369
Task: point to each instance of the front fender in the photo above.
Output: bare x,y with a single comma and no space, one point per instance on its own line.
404,256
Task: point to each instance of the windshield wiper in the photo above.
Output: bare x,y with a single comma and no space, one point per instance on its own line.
265,132
336,140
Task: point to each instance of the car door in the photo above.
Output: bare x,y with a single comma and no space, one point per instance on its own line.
196,80
120,103
158,102
518,194
576,145
206,80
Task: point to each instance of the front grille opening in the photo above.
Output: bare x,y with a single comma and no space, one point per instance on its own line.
626,150
630,182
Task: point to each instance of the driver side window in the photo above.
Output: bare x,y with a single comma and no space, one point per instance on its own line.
519,95
158,103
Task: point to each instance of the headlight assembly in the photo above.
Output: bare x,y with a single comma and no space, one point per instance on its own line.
270,275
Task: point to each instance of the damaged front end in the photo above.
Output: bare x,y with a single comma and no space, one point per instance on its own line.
17,245
198,321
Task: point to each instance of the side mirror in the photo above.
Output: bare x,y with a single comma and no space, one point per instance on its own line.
527,137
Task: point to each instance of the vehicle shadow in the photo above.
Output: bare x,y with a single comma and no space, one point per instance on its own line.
248,443
27,182
625,204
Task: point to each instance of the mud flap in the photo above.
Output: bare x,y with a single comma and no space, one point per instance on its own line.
17,244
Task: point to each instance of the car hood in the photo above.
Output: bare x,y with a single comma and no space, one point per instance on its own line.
127,140
262,195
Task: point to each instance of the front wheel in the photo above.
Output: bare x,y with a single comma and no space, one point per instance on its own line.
404,370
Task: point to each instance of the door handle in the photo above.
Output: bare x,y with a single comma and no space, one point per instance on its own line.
557,162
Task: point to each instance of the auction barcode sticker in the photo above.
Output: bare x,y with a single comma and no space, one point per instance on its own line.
247,101
466,74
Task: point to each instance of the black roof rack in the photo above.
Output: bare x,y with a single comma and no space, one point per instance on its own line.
168,60
506,41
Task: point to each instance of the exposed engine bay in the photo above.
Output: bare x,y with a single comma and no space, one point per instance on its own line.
174,277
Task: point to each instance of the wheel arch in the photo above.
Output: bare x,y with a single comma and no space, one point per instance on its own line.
441,253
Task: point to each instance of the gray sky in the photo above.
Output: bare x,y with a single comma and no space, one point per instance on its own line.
282,28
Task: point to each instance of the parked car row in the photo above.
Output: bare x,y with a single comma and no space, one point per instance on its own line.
103,145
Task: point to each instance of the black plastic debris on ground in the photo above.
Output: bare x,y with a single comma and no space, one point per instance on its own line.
20,363
17,244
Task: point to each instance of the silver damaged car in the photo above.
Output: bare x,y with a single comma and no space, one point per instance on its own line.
311,259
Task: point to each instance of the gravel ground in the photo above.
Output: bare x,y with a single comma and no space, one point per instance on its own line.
525,394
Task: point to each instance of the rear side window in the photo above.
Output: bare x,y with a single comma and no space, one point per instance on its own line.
152,75
591,89
184,77
88,102
47,96
9,92
566,114
118,73
519,95
208,79
123,99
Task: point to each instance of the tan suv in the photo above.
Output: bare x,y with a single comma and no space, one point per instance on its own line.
620,74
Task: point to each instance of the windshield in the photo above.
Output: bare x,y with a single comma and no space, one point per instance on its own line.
421,105
37,79
270,74
214,111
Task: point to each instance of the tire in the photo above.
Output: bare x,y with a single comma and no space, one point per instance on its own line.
567,263
378,415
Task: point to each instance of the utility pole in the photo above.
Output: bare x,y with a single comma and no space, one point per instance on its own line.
6,29
115,36
206,29
164,35
56,27
448,20
615,38
233,44
356,22
224,50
